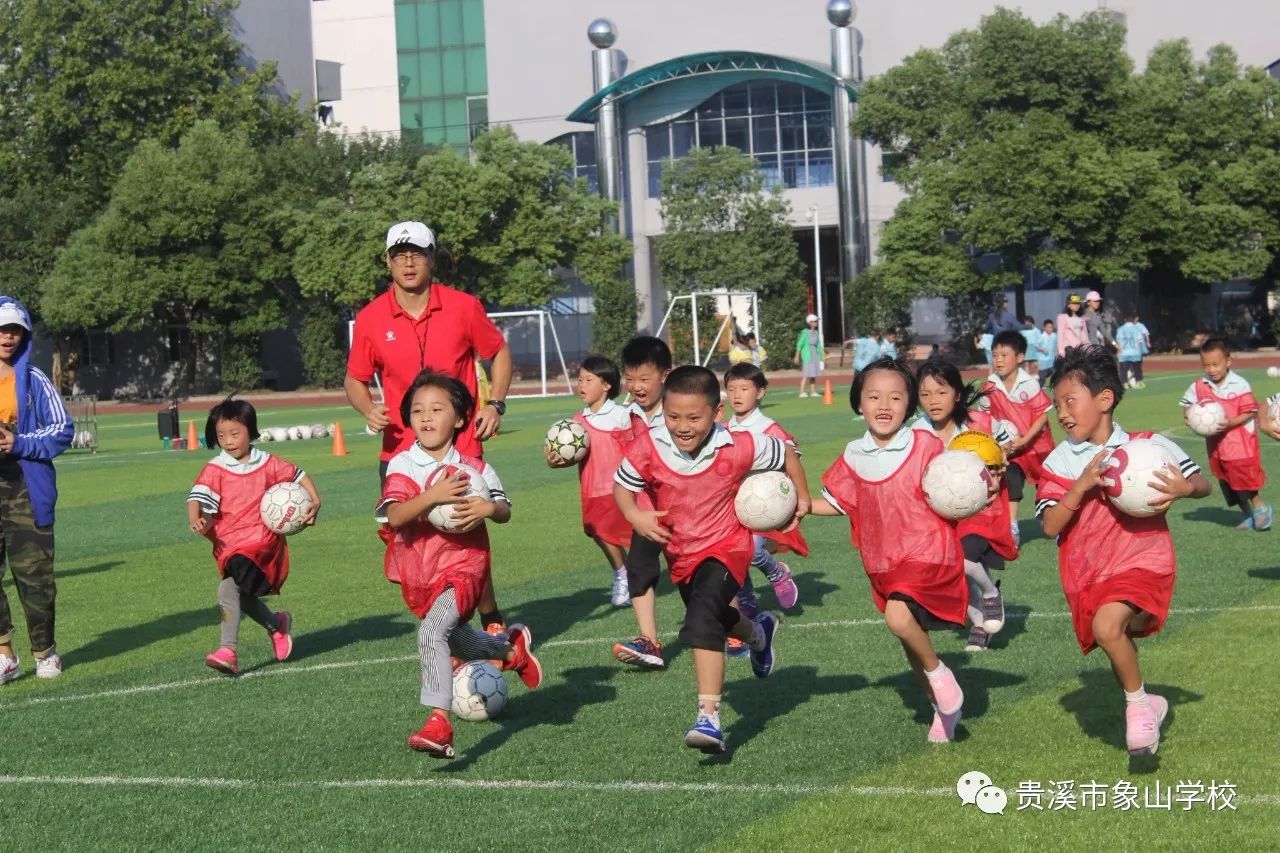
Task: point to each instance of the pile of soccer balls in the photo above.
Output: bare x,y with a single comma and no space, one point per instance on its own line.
296,433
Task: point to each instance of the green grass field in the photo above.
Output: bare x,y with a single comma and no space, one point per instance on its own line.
140,746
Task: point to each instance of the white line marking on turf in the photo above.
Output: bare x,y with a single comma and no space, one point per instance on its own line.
591,641
517,785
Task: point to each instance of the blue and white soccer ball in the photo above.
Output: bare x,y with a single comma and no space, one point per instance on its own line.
568,439
479,691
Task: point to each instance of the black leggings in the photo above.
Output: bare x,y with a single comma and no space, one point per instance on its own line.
1242,498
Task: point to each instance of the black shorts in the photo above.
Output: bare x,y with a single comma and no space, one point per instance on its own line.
979,550
709,613
1015,480
642,564
924,618
248,577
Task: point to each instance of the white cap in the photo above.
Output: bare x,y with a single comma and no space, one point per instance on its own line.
812,318
412,234
10,315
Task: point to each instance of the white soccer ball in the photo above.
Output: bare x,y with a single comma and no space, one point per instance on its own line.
265,435
441,515
1130,468
1273,371
479,691
330,430
766,501
318,431
283,507
956,484
1273,409
1010,427
568,439
1205,418
279,434
83,438
294,433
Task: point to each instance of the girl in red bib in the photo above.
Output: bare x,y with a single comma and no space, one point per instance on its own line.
1117,570
608,427
443,574
949,409
253,560
911,555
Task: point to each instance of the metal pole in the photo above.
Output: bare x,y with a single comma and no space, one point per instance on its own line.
555,336
693,308
817,271
850,184
755,319
606,67
542,347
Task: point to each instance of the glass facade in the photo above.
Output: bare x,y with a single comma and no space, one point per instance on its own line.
443,74
582,146
786,127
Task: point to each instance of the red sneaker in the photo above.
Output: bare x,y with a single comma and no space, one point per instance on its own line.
282,638
435,738
524,663
223,660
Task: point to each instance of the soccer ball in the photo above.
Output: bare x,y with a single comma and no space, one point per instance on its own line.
1273,371
1130,468
441,515
265,435
283,507
294,433
1010,427
1273,409
330,430
766,501
479,691
1205,418
956,484
83,438
279,434
980,444
568,439
319,431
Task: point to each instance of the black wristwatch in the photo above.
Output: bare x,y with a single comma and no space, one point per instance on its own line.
500,406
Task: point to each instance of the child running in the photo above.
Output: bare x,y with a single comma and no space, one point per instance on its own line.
253,561
1131,344
694,465
608,425
1234,455
949,409
442,575
1011,394
1117,570
1046,351
646,361
911,555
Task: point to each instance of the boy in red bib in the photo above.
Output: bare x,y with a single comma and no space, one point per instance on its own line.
608,427
987,537
1011,394
253,561
911,555
1117,570
442,575
693,466
1234,455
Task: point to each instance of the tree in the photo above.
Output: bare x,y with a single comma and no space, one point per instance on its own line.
722,229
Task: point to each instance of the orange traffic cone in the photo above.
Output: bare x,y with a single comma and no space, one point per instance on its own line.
339,442
826,393
193,442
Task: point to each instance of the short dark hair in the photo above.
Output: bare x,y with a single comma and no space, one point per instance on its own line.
598,365
1216,344
240,411
948,374
894,365
1094,367
748,371
693,379
459,397
1009,338
646,349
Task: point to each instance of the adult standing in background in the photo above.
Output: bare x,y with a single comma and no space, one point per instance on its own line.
1100,330
1001,319
810,355
1072,330
417,324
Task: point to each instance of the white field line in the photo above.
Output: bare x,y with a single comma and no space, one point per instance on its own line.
517,785
593,641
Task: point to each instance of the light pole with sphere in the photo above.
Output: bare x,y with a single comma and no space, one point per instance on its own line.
606,67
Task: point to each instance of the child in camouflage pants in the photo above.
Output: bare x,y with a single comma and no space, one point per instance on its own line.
34,428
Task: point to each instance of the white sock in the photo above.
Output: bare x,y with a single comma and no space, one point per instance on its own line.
978,575
935,674
1139,695
617,573
709,706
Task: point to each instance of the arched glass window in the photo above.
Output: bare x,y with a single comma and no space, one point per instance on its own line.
786,127
582,146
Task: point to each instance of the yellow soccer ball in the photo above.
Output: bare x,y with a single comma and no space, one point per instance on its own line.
980,444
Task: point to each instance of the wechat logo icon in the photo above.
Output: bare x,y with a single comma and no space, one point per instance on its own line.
975,789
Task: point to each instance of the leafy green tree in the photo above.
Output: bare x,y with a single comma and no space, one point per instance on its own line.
723,229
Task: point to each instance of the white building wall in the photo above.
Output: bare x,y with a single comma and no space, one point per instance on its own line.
361,34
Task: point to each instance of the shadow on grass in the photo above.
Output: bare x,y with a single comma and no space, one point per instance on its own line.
813,590
555,704
86,570
1098,707
760,701
1015,623
381,626
976,682
1271,574
119,641
1228,518
1029,530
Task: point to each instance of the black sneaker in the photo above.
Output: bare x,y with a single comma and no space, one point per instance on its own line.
978,640
993,612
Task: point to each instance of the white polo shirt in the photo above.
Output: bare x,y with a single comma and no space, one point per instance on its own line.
770,455
609,417
870,461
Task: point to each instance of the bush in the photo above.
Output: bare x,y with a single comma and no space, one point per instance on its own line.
324,361
871,306
613,320
239,368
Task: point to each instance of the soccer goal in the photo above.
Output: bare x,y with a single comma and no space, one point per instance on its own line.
726,302
526,334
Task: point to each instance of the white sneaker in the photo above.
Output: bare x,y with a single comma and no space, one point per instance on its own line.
621,596
9,668
50,666
803,394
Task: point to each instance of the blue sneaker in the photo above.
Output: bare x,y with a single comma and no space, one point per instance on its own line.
762,661
705,735
640,652
1247,524
1262,517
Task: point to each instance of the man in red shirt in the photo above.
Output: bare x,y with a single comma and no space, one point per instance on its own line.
417,324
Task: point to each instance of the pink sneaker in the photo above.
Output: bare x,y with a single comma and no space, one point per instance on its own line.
947,693
281,639
785,588
943,729
223,660
1142,724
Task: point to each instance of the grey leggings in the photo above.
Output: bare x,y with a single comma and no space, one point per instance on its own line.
440,636
233,602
